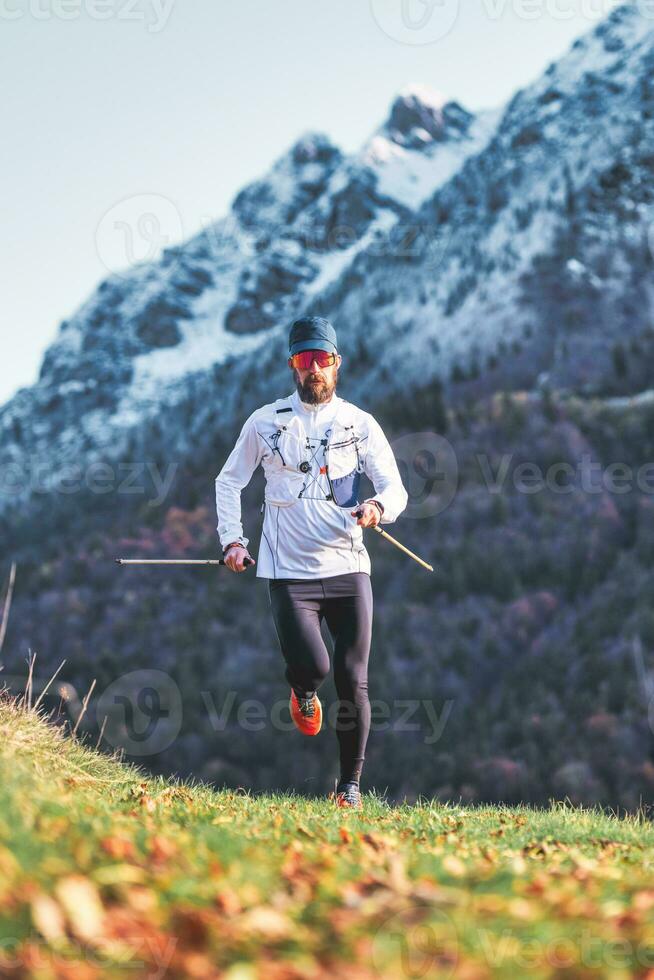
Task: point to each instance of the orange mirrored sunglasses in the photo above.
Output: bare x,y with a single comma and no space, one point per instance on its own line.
305,358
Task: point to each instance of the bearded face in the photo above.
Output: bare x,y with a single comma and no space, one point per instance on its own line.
316,387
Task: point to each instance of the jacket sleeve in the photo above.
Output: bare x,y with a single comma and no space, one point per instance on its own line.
234,476
380,466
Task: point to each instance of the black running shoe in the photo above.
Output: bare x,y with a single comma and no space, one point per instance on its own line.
349,795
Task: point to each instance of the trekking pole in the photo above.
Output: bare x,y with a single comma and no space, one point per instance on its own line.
176,561
397,544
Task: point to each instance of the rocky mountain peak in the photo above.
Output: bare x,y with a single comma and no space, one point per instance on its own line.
295,179
420,115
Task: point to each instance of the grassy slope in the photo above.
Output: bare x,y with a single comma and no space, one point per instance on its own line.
103,869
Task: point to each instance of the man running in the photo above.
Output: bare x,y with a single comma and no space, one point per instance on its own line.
313,447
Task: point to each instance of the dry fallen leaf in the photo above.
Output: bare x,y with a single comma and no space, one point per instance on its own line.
121,848
228,902
266,922
81,903
454,865
48,917
161,848
148,803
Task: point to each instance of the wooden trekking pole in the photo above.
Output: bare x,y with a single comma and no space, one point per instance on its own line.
406,551
397,544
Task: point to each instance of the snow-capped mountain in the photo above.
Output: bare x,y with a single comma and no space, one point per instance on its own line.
423,143
513,243
132,347
544,258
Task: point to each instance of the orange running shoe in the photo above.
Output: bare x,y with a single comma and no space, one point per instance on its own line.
306,713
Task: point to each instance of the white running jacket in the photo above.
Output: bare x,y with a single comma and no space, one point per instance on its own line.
312,457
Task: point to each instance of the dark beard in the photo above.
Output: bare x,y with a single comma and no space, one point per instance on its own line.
315,394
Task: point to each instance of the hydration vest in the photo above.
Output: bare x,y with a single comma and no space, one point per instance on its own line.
296,468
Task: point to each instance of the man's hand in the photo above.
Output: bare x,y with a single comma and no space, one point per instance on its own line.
235,557
370,514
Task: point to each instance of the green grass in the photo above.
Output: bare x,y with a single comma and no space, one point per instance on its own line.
106,872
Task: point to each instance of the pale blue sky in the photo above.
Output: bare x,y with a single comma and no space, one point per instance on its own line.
187,101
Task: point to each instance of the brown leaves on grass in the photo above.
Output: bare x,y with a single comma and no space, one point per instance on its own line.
152,802
290,891
120,848
161,849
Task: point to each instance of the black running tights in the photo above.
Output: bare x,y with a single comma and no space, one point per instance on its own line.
345,601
